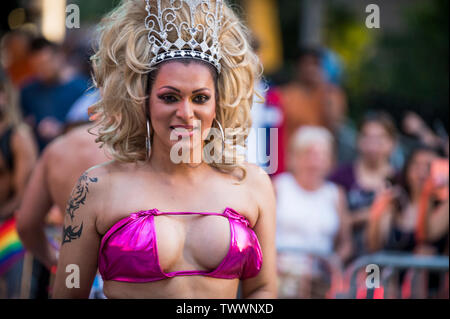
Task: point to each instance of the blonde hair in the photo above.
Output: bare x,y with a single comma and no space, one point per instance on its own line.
121,68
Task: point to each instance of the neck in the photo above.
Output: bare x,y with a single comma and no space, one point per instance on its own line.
308,183
55,79
374,166
416,194
309,85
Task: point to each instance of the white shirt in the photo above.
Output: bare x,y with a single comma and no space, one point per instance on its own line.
306,220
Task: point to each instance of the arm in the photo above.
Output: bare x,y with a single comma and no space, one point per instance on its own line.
36,204
360,217
344,240
439,222
413,124
432,223
264,285
25,155
81,240
379,223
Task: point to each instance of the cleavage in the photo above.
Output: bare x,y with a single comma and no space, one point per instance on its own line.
191,242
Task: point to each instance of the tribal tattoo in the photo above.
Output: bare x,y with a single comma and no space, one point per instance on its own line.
79,194
77,198
71,233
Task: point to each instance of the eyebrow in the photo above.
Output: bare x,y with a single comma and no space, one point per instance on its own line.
177,90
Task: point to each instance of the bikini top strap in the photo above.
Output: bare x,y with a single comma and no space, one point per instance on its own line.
158,213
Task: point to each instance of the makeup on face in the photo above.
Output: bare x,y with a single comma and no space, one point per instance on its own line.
171,96
183,101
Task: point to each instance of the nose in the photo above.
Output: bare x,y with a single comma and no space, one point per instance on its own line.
185,110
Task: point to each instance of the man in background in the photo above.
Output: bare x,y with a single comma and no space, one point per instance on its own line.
47,100
310,99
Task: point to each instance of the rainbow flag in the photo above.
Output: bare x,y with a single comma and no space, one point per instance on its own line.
11,249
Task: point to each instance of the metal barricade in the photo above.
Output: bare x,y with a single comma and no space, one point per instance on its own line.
330,268
391,265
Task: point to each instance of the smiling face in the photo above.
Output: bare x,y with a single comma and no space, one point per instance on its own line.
313,162
182,96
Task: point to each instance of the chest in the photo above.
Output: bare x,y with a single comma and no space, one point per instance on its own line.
407,221
191,242
307,213
359,198
183,242
131,195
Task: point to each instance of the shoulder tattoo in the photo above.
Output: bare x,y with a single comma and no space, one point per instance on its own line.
76,200
79,194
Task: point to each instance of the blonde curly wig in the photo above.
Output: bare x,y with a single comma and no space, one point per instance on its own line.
121,70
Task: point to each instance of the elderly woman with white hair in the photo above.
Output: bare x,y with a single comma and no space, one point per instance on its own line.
312,224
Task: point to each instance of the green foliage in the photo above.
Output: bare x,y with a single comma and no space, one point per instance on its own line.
93,10
405,69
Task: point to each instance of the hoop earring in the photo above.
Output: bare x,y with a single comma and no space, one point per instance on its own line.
148,145
223,135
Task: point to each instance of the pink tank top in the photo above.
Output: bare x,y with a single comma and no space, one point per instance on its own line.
128,251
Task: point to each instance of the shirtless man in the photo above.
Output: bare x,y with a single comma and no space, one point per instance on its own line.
51,184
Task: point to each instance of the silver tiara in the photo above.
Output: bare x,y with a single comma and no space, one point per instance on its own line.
200,41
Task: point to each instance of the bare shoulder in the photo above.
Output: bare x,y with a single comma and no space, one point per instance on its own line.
101,173
65,145
105,176
57,150
110,168
90,189
260,185
257,178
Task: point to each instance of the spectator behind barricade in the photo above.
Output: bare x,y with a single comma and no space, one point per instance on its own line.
400,222
310,99
47,100
368,174
394,220
312,222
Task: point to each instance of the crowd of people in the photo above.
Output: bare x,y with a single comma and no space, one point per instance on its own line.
342,190
345,190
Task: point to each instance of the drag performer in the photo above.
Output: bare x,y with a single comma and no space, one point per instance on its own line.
156,226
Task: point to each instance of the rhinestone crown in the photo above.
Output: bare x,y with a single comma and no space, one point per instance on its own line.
193,40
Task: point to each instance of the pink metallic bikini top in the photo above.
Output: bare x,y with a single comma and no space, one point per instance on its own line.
129,253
